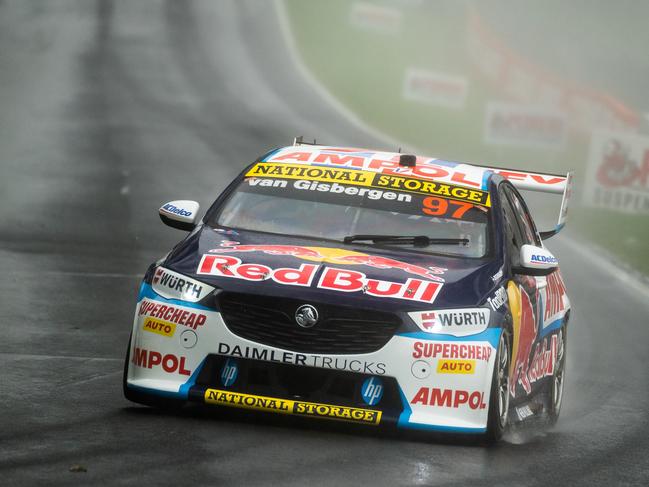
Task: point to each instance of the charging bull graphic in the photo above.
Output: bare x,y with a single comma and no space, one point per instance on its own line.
529,362
524,336
336,256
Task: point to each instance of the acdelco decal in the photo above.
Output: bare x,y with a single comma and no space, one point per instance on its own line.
452,366
332,278
288,406
446,350
173,285
160,327
456,322
170,363
369,179
169,208
172,314
543,259
449,398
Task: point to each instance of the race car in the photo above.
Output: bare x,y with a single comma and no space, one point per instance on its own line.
369,287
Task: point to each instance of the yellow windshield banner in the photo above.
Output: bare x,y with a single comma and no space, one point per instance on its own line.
290,406
312,173
368,179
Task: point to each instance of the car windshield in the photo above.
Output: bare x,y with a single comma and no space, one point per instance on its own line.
329,209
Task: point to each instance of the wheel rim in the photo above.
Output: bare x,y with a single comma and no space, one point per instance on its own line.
557,382
503,381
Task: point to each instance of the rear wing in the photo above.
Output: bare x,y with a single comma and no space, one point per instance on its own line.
545,183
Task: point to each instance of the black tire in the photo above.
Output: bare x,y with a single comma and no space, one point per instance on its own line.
558,378
167,404
497,419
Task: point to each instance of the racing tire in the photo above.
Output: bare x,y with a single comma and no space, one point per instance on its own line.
157,402
558,378
497,418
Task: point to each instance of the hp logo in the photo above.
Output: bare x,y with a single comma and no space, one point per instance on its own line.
372,391
229,373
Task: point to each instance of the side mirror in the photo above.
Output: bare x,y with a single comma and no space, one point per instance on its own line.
549,233
180,214
536,261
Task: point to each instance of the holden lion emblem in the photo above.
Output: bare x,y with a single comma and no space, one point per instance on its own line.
306,316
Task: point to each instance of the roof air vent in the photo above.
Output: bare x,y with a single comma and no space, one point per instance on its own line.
407,160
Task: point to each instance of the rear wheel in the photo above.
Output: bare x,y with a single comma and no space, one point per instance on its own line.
558,379
499,400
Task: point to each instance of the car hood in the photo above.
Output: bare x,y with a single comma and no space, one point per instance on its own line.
326,271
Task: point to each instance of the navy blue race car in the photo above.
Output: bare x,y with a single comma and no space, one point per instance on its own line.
360,286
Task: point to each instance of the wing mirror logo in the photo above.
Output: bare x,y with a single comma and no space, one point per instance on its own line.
536,261
181,214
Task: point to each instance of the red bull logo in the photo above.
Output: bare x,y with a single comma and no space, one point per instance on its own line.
336,256
332,278
544,359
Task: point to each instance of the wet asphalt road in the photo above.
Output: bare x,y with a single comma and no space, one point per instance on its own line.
108,110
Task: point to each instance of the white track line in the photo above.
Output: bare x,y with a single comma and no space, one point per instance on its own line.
32,356
109,275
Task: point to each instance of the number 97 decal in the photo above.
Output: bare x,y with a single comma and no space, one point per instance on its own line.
435,206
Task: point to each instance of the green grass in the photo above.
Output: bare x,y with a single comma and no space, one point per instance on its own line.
624,236
365,70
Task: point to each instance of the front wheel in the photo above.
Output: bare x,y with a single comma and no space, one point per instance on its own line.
499,397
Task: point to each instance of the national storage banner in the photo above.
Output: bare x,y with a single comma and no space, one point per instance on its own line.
368,179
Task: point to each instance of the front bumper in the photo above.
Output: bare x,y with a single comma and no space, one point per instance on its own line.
427,381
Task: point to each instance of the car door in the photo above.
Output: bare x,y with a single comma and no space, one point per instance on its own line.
523,292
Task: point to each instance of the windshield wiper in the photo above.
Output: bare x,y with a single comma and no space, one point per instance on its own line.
416,240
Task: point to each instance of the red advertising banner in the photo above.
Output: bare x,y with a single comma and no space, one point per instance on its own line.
617,176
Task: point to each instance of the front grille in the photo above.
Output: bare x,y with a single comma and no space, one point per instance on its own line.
272,379
340,329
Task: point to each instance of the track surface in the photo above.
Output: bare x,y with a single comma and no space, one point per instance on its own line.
109,109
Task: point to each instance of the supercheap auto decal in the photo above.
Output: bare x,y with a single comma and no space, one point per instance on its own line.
369,179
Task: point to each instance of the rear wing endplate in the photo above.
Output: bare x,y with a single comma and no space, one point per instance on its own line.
545,183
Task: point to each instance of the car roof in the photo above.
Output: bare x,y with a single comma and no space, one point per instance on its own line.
428,168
